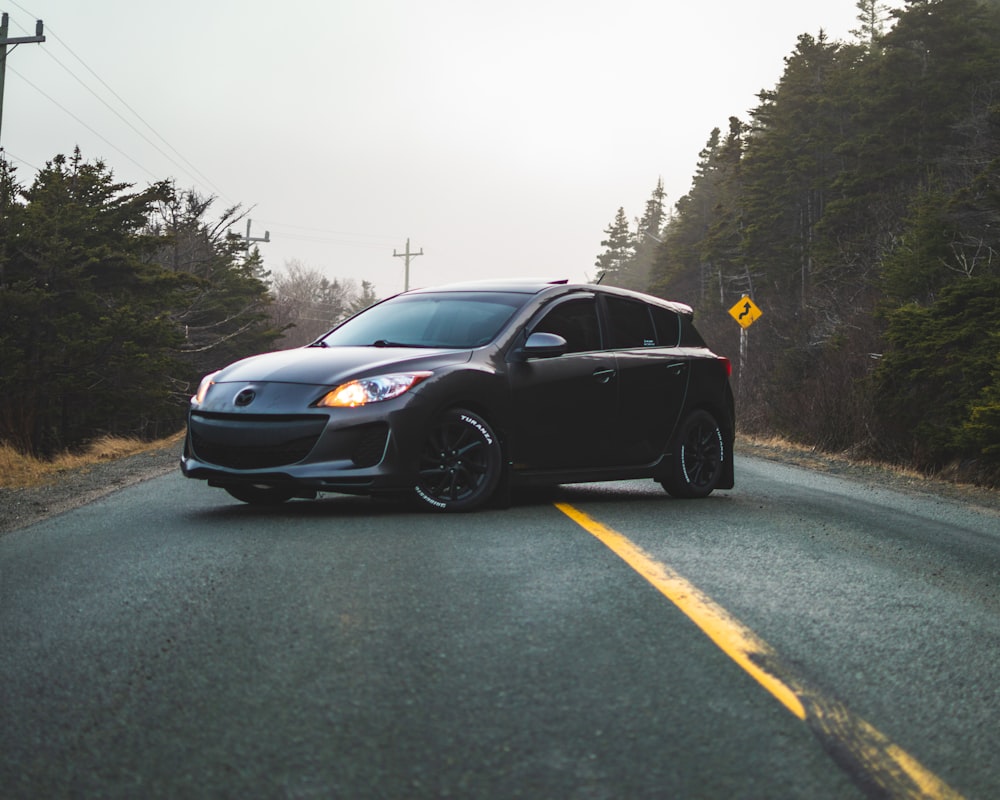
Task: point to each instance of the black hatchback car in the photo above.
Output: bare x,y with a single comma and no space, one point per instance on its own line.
456,394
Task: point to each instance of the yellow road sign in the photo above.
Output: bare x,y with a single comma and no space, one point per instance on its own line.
745,312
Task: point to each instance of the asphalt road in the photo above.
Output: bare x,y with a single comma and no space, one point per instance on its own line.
801,636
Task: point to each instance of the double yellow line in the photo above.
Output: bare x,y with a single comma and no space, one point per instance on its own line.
870,756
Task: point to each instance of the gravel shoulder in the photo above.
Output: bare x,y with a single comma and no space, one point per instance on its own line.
73,488
873,474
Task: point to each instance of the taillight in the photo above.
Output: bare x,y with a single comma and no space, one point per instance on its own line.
728,364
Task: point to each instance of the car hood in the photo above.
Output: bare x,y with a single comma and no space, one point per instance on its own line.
328,366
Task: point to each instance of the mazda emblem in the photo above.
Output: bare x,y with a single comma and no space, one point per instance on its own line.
245,397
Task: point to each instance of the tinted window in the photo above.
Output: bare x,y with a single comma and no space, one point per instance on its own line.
448,319
689,336
668,326
576,321
630,323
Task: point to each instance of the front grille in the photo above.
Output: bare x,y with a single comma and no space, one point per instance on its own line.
240,443
249,456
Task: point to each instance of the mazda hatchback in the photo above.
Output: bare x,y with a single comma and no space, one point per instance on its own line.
455,395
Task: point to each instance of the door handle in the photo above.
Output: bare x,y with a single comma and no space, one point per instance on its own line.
604,375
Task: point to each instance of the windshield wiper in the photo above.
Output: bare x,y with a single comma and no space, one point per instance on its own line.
387,343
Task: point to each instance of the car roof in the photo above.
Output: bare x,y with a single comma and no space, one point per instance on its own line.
557,286
515,285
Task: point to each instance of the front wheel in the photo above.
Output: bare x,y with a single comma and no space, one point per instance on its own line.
460,463
698,457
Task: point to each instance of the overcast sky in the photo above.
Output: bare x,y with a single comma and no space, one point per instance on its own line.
500,138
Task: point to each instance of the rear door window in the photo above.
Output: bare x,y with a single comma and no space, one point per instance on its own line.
630,324
668,326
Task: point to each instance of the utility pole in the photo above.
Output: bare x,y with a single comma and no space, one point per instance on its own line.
4,41
248,238
408,256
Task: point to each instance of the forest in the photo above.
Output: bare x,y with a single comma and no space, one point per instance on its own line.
114,303
857,204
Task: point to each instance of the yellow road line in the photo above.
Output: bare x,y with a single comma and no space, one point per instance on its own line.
868,755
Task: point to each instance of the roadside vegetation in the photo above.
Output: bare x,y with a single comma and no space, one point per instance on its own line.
114,303
21,471
858,205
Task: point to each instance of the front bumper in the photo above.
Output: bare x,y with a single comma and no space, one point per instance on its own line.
359,450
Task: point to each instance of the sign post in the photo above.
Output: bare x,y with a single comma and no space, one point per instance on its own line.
746,313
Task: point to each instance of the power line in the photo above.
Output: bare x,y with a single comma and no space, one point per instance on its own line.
118,114
84,124
297,232
190,168
326,235
7,154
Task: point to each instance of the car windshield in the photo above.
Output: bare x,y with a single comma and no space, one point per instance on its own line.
447,319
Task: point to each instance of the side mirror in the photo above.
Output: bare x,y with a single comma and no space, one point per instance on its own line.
544,345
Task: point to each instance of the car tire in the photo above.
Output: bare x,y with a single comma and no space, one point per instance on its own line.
698,457
460,463
260,495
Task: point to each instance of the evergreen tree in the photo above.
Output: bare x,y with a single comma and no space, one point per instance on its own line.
691,263
937,380
869,180
366,297
980,434
910,102
648,239
790,164
619,250
915,271
872,18
225,315
110,309
84,334
678,268
721,250
701,240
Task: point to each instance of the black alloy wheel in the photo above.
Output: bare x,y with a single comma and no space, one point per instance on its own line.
460,463
698,457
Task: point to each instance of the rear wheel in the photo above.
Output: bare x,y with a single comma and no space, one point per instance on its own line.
460,463
260,495
699,455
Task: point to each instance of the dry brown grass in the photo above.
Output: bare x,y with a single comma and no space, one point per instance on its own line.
814,458
792,449
18,471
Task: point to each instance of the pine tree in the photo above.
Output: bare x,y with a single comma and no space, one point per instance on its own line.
937,378
85,338
648,239
721,250
872,18
366,297
790,164
225,315
619,250
678,268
